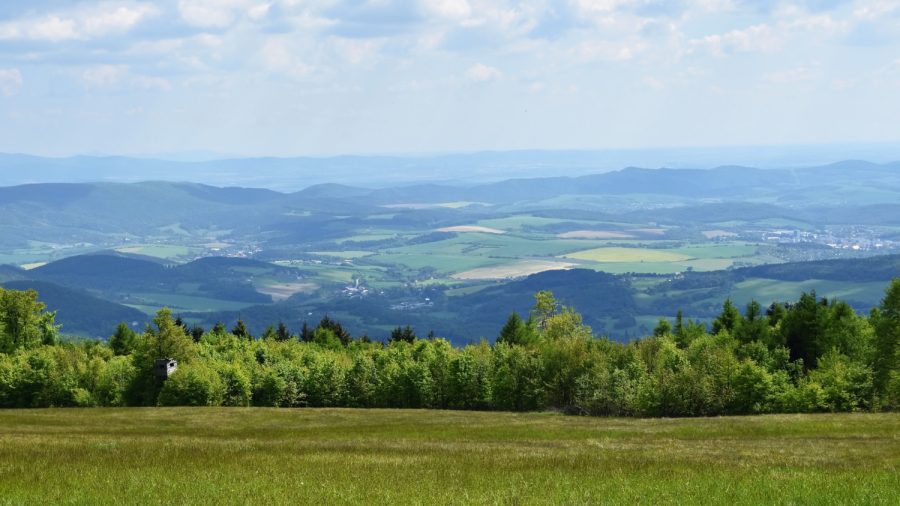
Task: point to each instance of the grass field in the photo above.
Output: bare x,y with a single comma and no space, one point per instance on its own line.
332,456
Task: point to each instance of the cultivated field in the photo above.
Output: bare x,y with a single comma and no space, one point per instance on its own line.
331,456
514,270
628,255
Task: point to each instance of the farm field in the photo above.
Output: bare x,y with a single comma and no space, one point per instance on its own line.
772,290
337,456
164,251
514,270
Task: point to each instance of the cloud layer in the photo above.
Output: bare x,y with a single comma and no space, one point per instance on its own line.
350,76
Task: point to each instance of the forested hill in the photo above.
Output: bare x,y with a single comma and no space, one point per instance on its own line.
90,291
105,213
809,355
79,312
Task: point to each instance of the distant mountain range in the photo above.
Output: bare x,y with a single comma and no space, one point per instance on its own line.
852,192
291,174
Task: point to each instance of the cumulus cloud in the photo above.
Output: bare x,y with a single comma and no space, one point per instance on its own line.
103,76
759,38
480,73
794,75
79,24
152,83
452,9
211,13
277,57
197,50
10,82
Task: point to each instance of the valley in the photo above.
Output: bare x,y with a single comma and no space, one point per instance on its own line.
431,255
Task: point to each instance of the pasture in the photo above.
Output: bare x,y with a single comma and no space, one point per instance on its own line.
340,456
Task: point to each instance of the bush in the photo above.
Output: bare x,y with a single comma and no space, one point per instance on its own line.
113,382
193,385
847,384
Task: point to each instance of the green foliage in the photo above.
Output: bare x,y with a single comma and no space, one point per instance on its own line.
240,330
754,326
728,320
886,361
404,334
335,328
545,306
663,328
835,360
801,328
193,385
122,341
517,376
847,385
24,321
517,331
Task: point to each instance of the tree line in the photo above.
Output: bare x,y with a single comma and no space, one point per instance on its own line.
810,355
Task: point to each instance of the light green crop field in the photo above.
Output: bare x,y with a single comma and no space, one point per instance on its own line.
338,456
769,290
164,251
154,301
627,255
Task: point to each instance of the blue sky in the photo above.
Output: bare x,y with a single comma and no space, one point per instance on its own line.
295,77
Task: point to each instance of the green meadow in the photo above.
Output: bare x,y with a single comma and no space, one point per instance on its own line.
339,456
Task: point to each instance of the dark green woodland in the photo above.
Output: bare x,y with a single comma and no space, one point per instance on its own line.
809,355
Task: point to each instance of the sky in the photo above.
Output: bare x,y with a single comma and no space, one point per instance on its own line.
327,77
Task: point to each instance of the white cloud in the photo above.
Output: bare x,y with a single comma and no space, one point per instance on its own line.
152,83
103,76
277,57
452,9
605,50
116,20
260,11
537,87
80,24
754,39
10,81
823,24
357,51
793,75
220,13
875,9
480,73
601,6
653,83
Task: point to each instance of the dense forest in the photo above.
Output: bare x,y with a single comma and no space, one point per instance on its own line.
809,355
